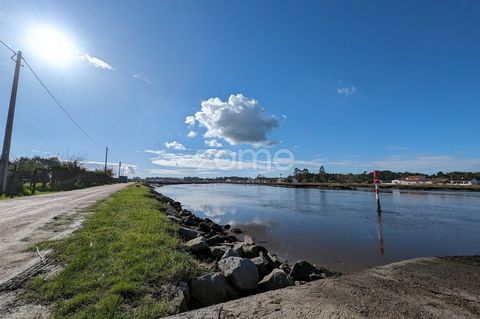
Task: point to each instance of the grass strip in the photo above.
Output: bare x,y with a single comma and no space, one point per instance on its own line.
116,263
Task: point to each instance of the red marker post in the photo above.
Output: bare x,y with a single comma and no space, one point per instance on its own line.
376,182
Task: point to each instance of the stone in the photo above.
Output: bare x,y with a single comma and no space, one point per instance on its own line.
236,231
170,211
198,246
178,296
187,233
252,251
285,267
217,239
218,251
248,240
242,272
174,219
190,220
204,227
232,238
212,289
238,248
302,270
263,264
216,227
230,253
275,280
275,260
226,226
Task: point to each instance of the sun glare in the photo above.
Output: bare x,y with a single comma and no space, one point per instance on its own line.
52,45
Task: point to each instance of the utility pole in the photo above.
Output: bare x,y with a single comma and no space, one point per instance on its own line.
106,158
8,128
119,168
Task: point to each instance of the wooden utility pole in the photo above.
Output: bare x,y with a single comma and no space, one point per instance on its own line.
9,127
106,158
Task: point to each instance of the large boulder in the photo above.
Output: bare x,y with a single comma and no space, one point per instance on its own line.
238,248
230,253
178,296
187,233
264,265
218,251
217,239
242,272
212,289
204,227
252,251
198,246
275,280
304,271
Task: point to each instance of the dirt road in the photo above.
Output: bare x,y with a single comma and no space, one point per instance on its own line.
417,288
27,220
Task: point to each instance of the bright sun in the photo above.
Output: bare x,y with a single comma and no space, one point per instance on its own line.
52,45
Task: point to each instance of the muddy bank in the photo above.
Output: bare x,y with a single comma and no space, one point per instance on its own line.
416,288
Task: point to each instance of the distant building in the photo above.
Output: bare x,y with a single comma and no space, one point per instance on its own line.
410,180
464,182
438,180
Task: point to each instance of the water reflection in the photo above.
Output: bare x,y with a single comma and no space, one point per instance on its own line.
380,233
337,229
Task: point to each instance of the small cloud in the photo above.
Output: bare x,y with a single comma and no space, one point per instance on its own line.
190,121
96,62
345,90
284,116
192,134
141,77
213,143
174,145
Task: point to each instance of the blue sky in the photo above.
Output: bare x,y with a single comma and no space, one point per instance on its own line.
352,85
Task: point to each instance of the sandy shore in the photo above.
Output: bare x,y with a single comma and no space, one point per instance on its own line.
416,288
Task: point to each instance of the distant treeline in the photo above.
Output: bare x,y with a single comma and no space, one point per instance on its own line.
27,175
305,176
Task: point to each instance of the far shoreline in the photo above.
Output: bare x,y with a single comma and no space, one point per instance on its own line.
339,186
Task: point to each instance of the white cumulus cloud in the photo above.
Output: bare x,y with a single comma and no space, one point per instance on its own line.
96,62
190,120
174,145
213,143
192,134
240,120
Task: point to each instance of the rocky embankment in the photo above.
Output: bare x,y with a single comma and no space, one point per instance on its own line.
240,267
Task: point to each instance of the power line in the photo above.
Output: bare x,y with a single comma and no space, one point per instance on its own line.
61,106
8,47
57,102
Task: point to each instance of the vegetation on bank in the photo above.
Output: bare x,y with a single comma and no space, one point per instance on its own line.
117,263
28,176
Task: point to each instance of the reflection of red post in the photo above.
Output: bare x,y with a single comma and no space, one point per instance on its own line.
376,182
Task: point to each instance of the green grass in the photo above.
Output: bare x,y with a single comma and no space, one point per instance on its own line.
117,262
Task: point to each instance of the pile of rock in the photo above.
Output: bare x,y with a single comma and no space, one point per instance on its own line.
241,266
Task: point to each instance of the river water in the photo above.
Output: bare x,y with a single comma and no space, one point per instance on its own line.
341,229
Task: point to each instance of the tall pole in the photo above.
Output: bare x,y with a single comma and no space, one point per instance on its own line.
9,127
119,168
106,158
376,181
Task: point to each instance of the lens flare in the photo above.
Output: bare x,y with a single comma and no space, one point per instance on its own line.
52,45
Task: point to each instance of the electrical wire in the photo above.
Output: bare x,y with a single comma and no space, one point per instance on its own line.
8,47
57,102
61,106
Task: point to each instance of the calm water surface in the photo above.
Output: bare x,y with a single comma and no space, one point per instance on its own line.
341,229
